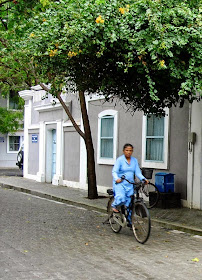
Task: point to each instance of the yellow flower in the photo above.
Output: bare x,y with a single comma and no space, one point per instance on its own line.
99,19
44,19
127,8
122,11
71,54
31,35
53,52
162,63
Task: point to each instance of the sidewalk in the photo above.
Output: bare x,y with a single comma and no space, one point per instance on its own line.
184,219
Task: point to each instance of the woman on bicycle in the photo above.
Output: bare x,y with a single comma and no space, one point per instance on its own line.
128,166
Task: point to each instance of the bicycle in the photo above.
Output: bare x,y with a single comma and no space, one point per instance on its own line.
140,221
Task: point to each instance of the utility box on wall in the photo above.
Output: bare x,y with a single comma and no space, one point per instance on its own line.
165,182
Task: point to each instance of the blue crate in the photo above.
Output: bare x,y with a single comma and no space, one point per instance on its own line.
165,182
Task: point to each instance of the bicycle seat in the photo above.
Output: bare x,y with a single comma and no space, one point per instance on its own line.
110,192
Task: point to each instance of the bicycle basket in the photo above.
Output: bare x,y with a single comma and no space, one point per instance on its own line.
147,172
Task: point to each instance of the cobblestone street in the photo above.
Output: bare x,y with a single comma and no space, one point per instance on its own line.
43,239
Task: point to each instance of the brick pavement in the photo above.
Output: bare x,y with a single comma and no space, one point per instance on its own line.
185,219
44,240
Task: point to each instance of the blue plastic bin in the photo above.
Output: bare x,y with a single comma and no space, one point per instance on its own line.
165,182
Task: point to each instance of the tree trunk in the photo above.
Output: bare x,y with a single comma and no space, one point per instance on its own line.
92,184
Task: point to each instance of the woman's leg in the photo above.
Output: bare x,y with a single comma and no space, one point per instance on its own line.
119,196
129,193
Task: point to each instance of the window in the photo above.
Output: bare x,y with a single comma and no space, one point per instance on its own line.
13,143
13,101
155,141
107,137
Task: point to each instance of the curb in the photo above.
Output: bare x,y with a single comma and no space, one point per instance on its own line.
165,224
52,197
176,226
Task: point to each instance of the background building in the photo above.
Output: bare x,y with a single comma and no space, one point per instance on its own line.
55,153
10,142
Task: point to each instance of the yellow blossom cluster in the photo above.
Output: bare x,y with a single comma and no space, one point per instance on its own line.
162,63
44,20
53,52
31,35
71,54
99,19
124,10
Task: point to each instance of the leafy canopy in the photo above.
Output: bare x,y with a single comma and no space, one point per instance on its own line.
15,70
146,52
10,121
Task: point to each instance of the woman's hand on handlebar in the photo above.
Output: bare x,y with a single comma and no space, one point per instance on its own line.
146,181
118,180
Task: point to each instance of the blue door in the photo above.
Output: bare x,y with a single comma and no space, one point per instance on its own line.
53,152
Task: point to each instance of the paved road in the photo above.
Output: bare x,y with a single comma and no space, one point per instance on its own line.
42,239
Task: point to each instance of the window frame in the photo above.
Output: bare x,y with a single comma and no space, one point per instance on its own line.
152,163
8,143
101,160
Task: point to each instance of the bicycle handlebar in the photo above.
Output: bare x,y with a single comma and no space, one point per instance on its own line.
123,177
132,183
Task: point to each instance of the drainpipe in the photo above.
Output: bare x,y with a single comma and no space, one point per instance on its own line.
191,141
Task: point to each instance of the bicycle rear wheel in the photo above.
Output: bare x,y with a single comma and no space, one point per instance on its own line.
114,218
141,223
150,194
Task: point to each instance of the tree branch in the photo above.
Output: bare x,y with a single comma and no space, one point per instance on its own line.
67,111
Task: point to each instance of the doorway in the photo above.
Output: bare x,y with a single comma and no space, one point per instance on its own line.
53,153
51,148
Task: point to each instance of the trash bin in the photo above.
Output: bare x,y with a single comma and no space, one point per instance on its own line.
165,182
147,172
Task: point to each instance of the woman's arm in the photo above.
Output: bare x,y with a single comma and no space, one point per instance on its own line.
115,171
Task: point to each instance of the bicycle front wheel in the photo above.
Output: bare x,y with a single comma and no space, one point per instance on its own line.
150,194
114,219
141,223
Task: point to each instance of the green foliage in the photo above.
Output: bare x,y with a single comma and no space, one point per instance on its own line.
15,66
10,121
146,52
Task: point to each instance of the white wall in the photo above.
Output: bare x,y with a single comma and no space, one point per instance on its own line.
194,179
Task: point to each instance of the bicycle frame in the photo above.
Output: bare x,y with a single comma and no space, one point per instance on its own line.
120,222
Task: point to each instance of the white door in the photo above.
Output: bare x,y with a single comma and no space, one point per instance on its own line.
53,152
